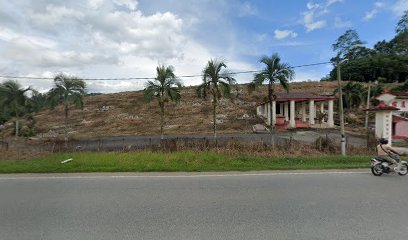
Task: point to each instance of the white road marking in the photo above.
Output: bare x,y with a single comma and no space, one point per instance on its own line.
179,176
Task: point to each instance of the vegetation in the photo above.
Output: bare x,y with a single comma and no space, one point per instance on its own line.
166,87
386,62
354,95
274,72
14,101
67,91
173,162
217,83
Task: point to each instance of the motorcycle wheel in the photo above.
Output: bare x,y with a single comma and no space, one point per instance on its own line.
404,170
377,169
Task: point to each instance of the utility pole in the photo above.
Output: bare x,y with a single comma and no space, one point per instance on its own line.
368,105
341,110
366,116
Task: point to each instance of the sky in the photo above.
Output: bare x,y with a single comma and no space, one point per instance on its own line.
130,38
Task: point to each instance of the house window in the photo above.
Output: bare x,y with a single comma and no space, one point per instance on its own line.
394,104
403,104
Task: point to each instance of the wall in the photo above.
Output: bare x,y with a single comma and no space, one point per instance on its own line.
401,128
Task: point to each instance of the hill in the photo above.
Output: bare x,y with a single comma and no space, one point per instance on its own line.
127,113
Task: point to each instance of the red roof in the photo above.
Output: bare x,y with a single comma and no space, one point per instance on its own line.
382,107
396,119
400,94
300,96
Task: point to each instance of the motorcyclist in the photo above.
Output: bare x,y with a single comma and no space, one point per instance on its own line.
388,153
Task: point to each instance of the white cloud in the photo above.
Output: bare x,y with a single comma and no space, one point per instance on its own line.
400,6
370,15
130,4
331,2
282,34
311,5
246,9
379,4
340,23
310,23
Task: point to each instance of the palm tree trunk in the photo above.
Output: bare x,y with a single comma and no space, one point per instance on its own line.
161,120
215,118
272,131
66,125
17,125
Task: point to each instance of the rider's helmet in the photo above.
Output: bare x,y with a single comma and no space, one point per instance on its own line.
383,141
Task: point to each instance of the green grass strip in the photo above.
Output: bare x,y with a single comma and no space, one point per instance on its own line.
187,161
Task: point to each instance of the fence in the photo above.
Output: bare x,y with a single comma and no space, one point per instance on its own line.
251,144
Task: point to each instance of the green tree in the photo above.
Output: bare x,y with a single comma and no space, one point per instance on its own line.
217,83
275,72
402,25
67,91
13,98
353,95
166,87
347,44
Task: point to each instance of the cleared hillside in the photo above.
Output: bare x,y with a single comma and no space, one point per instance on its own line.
127,113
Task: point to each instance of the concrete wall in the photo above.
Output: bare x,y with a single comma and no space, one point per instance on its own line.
401,128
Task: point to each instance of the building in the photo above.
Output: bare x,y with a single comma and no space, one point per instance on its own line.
298,110
397,99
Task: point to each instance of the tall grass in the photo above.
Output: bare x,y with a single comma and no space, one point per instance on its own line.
188,161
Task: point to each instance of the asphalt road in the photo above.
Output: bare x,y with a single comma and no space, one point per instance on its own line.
311,205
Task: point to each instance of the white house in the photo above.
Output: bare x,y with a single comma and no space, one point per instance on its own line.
397,99
297,110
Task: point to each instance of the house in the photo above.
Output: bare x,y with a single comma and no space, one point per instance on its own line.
297,110
397,99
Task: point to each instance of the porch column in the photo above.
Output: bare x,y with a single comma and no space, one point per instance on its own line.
292,122
330,121
273,113
303,111
286,112
311,112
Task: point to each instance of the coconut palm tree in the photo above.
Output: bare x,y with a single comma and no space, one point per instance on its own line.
166,87
275,72
68,91
353,95
217,83
13,97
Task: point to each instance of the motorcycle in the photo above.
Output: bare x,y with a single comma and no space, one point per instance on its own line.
380,166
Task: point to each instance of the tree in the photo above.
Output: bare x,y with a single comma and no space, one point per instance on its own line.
217,83
165,87
402,25
13,97
346,44
68,91
274,72
353,95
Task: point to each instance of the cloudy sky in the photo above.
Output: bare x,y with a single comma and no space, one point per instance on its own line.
129,38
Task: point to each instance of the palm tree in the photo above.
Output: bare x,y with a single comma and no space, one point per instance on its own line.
12,96
68,90
273,73
165,87
217,83
353,94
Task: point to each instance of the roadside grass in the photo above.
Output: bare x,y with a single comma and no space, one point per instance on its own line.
184,161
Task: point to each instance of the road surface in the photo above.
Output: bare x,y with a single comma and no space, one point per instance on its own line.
268,205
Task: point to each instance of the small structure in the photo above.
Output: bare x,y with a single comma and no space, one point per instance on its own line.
297,110
397,99
383,121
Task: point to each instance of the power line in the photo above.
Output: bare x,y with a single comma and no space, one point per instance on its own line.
151,78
